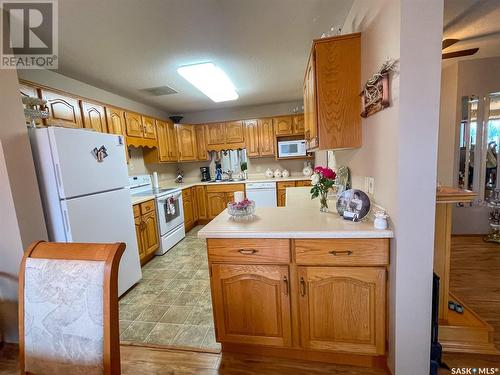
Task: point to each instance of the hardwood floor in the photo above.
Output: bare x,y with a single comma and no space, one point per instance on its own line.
475,278
142,361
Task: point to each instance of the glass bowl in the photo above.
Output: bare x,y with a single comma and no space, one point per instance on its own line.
242,209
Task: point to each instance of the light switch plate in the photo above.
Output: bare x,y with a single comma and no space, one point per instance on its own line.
371,185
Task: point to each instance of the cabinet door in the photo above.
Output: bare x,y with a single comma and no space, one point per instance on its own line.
151,241
281,197
133,124
188,212
116,120
266,137
162,137
235,132
298,124
201,142
94,117
216,204
63,110
201,200
252,138
252,304
186,140
343,309
148,127
172,142
215,134
283,125
139,226
310,108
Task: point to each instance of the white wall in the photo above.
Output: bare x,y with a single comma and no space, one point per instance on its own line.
400,149
22,220
72,86
241,113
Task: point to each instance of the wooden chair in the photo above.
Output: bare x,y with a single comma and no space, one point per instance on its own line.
68,309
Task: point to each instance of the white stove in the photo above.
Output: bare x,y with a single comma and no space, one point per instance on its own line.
169,209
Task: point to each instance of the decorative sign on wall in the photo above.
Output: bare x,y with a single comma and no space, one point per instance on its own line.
375,96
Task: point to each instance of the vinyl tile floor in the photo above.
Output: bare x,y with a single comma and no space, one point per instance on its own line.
171,306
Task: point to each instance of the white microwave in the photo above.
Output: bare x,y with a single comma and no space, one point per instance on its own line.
288,149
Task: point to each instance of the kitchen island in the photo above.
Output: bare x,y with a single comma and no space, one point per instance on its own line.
300,284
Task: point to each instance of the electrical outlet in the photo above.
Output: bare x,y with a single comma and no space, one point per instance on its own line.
371,185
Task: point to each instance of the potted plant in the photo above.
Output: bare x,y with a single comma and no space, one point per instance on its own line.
322,180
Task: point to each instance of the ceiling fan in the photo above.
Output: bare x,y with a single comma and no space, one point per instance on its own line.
464,52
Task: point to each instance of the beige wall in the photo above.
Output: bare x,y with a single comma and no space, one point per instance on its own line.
241,113
400,151
22,219
70,85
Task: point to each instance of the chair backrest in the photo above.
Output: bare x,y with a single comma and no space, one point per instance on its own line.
68,309
300,197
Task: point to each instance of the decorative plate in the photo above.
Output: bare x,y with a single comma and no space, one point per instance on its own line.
353,204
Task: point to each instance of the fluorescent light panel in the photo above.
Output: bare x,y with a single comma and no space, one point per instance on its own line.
210,80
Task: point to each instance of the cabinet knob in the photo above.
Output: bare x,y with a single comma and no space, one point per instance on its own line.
302,287
285,280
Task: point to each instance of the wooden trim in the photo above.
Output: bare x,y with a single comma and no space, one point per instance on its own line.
141,142
110,254
446,194
308,355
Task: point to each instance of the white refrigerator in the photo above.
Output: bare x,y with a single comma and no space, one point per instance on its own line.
83,181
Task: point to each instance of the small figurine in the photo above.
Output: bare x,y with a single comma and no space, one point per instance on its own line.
180,176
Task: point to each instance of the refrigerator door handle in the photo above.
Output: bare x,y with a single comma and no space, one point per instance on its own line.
58,175
66,221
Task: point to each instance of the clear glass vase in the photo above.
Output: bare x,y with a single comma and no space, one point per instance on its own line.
323,201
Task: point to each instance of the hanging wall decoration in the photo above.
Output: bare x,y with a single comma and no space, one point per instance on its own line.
375,95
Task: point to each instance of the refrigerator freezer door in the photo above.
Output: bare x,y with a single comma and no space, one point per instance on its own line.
87,162
106,218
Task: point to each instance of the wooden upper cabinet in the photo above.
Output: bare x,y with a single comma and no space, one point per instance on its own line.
215,134
283,125
331,93
252,138
235,133
94,117
186,141
354,319
201,142
133,124
64,110
298,124
148,127
172,141
162,137
266,137
252,304
116,120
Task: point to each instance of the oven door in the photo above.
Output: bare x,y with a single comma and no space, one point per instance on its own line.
169,218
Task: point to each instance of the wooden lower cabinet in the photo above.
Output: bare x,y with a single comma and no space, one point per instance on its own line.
281,189
187,204
218,196
201,200
146,229
252,304
343,309
264,296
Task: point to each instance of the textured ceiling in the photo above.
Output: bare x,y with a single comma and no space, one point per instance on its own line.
476,23
125,46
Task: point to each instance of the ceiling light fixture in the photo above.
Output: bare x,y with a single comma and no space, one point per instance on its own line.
210,80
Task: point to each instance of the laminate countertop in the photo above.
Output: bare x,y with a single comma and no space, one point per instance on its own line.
188,184
288,222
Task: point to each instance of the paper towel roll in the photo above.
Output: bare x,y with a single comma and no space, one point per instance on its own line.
155,181
239,196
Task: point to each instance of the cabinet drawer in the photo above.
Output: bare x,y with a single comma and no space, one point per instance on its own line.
186,194
342,252
225,188
285,184
303,183
249,250
137,210
147,207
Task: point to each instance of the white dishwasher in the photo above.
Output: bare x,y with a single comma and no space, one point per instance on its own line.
263,193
